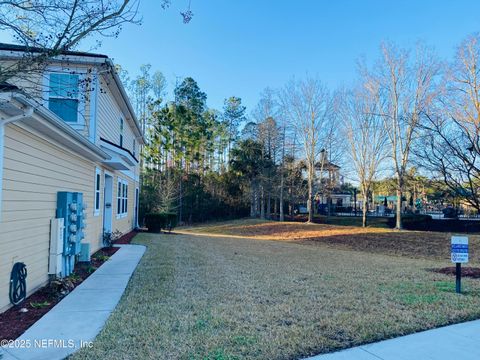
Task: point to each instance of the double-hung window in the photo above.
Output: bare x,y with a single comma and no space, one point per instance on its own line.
96,210
64,96
122,198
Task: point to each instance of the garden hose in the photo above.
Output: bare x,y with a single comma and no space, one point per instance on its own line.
18,283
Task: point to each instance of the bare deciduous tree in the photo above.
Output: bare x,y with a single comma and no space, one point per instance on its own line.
48,28
452,130
406,85
308,105
366,134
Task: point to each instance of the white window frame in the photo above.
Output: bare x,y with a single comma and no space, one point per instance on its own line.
82,73
97,191
122,198
121,140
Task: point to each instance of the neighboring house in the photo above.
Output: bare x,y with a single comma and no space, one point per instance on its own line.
329,188
71,129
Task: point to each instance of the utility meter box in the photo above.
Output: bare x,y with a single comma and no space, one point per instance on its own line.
55,258
71,209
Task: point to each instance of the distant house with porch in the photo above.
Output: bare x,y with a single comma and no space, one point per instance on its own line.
328,187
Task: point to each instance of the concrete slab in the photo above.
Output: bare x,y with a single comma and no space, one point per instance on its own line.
349,354
76,320
458,341
106,281
91,300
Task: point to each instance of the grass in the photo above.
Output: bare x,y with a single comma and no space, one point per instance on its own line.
413,244
226,297
372,221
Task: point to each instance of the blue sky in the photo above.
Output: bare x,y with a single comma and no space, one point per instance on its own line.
239,47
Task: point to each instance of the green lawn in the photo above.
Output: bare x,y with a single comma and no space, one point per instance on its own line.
201,297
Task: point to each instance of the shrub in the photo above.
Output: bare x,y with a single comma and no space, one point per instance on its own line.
412,221
109,238
155,222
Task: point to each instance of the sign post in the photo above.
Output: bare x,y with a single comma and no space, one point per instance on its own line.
459,256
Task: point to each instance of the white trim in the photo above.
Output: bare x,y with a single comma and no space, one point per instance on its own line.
136,206
82,74
93,107
121,139
121,152
123,198
106,172
98,187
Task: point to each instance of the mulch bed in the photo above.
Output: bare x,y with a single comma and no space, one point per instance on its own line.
13,323
127,238
466,271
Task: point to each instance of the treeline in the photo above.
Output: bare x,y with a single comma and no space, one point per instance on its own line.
408,117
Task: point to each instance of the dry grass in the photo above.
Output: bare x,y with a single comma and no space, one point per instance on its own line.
201,297
413,244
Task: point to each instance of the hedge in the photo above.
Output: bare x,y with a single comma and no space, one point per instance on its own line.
426,223
156,222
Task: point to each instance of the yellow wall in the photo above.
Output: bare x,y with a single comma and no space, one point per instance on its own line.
34,171
110,113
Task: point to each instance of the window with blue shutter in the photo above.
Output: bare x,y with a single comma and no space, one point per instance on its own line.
63,97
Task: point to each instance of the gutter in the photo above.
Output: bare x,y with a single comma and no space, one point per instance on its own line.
58,123
94,59
30,109
28,112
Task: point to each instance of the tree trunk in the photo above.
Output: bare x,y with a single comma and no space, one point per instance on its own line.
282,216
252,199
398,224
269,205
280,202
262,202
257,201
310,196
275,207
365,208
180,202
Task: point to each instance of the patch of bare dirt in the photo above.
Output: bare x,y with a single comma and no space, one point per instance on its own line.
472,272
14,322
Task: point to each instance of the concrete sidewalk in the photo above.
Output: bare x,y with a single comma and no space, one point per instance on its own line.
76,320
461,341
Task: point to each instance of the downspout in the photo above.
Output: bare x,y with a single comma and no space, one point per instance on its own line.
26,114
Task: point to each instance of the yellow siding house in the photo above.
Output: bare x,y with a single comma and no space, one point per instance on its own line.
69,128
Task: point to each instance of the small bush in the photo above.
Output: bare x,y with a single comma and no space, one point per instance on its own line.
109,238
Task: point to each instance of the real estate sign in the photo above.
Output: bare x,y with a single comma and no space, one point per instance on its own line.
459,249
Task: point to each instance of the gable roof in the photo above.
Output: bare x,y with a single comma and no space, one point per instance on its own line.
12,50
23,48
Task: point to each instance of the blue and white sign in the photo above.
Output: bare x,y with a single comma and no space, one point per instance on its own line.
459,249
